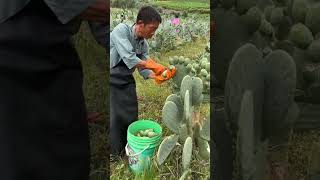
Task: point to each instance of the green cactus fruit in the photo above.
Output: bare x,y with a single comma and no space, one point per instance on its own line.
208,67
187,61
184,175
267,12
300,35
197,88
171,61
196,67
181,60
170,116
183,132
313,19
166,147
227,4
164,74
204,149
276,16
203,72
189,67
203,63
175,59
205,131
314,50
299,10
193,71
186,84
187,153
208,77
266,28
253,19
245,144
242,6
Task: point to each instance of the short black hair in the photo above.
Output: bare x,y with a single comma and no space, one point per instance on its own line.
148,14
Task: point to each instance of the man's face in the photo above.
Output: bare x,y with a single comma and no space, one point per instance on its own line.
147,30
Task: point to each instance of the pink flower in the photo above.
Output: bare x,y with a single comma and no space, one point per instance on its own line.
175,21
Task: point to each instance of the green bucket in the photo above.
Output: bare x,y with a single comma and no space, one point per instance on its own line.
140,150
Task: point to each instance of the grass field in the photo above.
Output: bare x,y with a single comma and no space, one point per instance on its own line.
201,6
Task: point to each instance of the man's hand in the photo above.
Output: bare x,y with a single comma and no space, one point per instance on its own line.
155,67
162,78
98,12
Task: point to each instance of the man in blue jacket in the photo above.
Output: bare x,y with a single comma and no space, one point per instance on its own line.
129,51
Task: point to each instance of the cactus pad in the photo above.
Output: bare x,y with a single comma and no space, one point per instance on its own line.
186,84
170,116
299,10
177,100
197,87
183,132
205,131
187,153
166,147
313,19
204,148
246,136
300,35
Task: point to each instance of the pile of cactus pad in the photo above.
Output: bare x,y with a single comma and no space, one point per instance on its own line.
181,114
195,68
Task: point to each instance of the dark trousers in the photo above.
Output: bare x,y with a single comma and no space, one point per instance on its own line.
43,127
123,105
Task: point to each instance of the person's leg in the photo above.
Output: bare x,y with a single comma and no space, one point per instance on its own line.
123,111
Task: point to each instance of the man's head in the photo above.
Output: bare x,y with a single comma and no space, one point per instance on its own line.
147,22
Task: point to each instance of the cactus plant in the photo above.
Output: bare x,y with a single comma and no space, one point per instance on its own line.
187,127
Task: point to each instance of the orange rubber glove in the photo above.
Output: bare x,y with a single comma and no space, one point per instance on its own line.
155,67
170,74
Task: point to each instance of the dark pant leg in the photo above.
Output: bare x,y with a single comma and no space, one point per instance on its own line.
123,111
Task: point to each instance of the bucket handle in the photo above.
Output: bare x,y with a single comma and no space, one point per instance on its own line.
127,151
